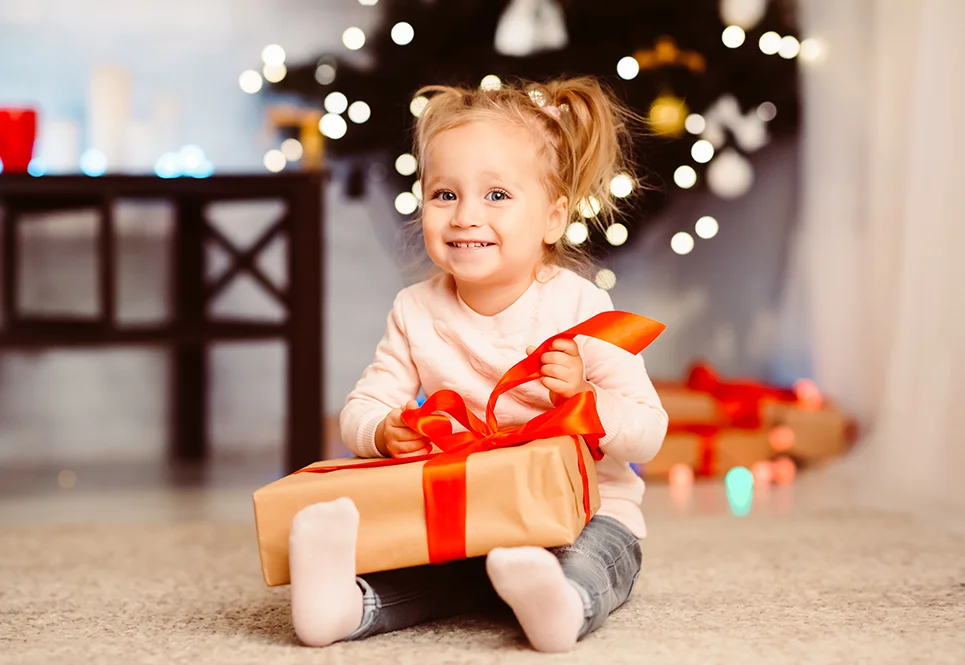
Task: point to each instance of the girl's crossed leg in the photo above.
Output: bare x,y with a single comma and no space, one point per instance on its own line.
559,595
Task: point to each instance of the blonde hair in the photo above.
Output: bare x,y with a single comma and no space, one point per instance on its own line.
583,134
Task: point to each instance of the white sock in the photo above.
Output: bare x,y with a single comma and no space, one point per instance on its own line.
326,601
532,583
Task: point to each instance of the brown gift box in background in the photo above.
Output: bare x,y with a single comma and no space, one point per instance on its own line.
819,430
731,447
524,495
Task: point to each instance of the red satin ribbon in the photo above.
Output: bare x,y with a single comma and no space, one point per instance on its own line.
444,474
740,402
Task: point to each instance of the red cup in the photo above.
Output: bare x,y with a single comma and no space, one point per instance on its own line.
18,131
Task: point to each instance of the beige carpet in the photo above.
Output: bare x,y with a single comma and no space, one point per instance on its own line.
829,587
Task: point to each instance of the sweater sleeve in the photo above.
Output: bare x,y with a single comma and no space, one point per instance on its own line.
628,405
388,383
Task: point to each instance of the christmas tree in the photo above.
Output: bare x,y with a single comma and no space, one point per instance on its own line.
712,91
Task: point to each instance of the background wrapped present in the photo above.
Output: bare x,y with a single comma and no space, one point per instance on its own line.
716,425
526,495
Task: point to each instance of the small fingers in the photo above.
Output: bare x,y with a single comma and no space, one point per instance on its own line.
561,372
557,386
567,346
558,358
406,448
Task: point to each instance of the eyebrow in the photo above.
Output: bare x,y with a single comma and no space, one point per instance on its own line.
486,174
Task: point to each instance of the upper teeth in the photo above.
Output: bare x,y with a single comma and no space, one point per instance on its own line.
469,244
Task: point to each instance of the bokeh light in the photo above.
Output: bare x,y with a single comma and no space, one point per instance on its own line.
333,126
273,54
739,484
275,73
770,42
628,68
767,111
93,163
359,112
335,102
589,207
685,177
577,233
406,164
353,38
617,234
606,279
790,47
402,33
682,243
733,36
784,470
763,475
406,203
418,105
292,149
781,438
621,186
706,227
702,151
695,123
491,82
274,161
250,81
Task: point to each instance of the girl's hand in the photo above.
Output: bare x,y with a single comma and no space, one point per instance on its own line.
394,438
562,370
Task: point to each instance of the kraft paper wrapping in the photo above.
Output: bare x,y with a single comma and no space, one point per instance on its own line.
818,433
524,495
731,447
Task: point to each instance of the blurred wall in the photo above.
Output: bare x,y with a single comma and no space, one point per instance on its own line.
724,301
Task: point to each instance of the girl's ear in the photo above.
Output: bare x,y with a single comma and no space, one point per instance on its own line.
556,223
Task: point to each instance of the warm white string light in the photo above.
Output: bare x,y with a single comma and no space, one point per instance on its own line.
733,36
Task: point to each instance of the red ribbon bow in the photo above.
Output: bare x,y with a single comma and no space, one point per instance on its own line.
444,474
740,402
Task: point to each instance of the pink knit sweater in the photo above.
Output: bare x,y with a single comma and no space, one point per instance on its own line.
435,341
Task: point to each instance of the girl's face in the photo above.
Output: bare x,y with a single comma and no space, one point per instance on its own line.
486,214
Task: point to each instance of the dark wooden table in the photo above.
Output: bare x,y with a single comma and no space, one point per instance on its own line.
189,330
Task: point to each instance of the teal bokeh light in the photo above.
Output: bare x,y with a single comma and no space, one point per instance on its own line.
739,482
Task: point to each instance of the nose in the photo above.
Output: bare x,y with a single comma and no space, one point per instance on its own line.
466,215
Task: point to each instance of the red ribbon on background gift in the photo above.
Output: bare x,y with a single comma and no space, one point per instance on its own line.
444,474
18,131
740,402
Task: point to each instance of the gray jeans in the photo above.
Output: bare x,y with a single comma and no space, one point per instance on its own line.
602,565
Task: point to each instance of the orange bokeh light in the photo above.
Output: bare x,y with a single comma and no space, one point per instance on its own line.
783,470
681,475
762,472
781,438
808,395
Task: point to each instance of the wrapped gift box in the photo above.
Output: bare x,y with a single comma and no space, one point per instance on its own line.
754,422
709,456
524,495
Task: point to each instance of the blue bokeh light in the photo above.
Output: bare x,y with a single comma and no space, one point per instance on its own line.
168,166
93,163
739,483
36,168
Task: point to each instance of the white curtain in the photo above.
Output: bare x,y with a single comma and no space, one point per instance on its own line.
881,249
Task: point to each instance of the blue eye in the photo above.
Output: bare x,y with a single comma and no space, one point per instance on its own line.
444,194
497,195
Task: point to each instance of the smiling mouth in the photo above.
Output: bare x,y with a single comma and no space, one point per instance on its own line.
470,245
